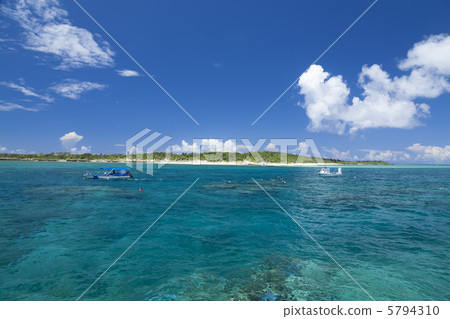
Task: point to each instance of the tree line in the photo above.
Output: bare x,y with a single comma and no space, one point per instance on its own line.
267,157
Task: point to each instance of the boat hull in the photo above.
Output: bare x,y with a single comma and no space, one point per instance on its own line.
107,177
329,175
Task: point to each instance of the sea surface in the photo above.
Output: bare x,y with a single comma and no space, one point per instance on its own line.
225,239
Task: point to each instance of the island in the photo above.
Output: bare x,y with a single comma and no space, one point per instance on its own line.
212,158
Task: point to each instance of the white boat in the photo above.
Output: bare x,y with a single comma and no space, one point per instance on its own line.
328,173
110,173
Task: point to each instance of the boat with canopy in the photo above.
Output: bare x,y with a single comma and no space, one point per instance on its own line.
328,173
110,173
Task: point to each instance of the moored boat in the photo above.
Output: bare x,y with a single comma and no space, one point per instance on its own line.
328,173
110,173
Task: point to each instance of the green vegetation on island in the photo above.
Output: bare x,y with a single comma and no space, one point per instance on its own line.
212,157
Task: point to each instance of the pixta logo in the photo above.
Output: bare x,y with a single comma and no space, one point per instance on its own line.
140,149
144,143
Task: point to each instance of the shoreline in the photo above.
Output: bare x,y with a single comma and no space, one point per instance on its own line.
205,163
196,163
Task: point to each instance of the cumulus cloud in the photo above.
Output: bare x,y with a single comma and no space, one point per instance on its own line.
218,146
386,101
47,29
6,106
127,73
73,89
270,147
69,140
385,155
26,91
369,155
4,149
205,145
81,150
132,150
18,151
433,153
298,148
336,154
432,53
185,147
242,148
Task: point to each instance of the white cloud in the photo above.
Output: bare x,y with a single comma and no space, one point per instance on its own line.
242,148
73,89
120,145
385,155
185,148
26,91
385,102
432,54
82,150
47,29
336,154
270,147
219,146
433,153
205,145
4,149
298,148
217,64
6,106
18,151
127,73
69,140
132,150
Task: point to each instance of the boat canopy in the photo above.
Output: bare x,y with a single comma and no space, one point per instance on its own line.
127,168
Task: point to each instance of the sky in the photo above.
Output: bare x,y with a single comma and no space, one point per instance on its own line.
381,92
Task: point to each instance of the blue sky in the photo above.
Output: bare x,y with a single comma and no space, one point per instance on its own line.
225,62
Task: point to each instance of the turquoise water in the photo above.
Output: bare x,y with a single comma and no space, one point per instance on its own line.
225,239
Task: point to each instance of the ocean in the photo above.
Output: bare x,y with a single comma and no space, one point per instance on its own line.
225,239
